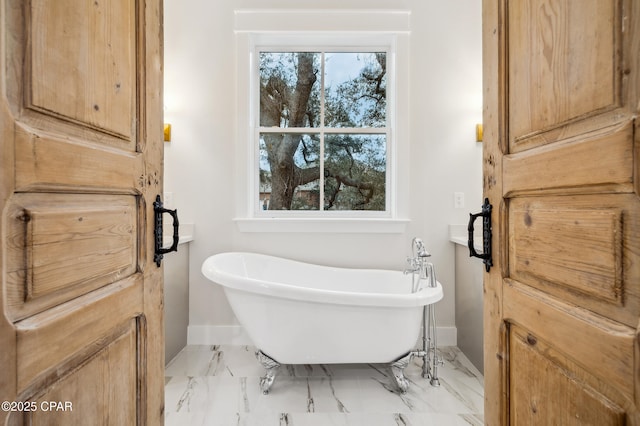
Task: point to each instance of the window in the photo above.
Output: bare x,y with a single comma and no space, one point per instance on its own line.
323,122
323,131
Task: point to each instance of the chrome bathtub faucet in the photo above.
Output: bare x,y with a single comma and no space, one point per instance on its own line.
418,263
430,360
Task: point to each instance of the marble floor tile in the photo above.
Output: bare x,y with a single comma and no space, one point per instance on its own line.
219,385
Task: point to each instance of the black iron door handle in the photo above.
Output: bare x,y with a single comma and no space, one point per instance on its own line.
486,235
158,210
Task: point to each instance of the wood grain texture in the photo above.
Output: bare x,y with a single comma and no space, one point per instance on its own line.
496,410
47,163
66,329
572,249
547,90
81,127
82,62
561,163
545,244
571,166
108,379
590,339
63,246
548,393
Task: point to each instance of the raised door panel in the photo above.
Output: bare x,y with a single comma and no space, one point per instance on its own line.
102,390
74,71
553,391
549,96
49,340
61,246
581,249
545,249
81,62
603,347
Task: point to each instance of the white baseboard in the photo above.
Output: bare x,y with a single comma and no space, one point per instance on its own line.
235,335
447,336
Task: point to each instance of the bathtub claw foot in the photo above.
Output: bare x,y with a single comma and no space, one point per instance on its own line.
271,366
397,368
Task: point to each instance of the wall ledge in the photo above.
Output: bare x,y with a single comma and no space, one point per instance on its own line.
187,233
459,234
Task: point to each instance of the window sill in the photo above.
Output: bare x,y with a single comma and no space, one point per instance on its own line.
315,225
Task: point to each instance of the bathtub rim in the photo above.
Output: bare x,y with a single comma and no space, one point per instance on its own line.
216,275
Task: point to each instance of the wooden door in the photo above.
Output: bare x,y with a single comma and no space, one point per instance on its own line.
562,171
81,147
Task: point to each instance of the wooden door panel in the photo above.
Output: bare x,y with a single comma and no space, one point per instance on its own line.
570,164
85,89
102,390
544,249
62,246
552,391
562,164
580,248
81,127
62,334
83,67
550,96
73,164
600,345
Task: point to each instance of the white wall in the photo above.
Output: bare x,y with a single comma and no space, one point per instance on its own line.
446,103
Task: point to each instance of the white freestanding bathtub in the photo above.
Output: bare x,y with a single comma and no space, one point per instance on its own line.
300,313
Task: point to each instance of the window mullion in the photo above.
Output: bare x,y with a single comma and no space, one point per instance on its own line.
322,100
357,130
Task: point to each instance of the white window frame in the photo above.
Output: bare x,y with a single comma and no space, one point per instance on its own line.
269,31
329,45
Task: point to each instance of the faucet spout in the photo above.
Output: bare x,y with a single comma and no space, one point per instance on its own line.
418,246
